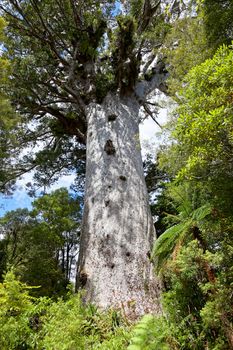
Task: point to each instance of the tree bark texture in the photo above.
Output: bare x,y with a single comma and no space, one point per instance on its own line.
114,261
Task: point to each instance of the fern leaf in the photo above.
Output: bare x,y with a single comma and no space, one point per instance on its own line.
201,212
166,243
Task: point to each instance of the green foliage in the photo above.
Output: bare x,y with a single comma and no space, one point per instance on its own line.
65,55
198,309
50,68
186,224
185,47
30,323
193,301
167,242
191,322
136,7
218,21
8,121
150,333
201,149
41,245
2,27
18,312
198,273
160,202
71,326
204,125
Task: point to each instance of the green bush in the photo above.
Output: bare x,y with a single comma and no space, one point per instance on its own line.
70,325
19,315
42,324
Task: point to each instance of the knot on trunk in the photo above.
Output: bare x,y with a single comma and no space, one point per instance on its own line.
83,278
122,178
109,148
112,117
107,202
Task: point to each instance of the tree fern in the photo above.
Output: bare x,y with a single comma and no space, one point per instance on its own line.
167,242
173,236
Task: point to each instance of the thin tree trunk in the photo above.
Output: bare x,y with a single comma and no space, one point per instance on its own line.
68,261
114,260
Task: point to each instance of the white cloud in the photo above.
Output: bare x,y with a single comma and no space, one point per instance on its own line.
150,131
64,181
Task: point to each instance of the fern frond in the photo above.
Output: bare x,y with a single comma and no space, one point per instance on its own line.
165,244
201,213
149,334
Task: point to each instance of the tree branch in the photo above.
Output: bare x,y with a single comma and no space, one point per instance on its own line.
148,111
148,13
156,81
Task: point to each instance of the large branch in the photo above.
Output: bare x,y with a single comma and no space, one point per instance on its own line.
73,127
156,81
147,15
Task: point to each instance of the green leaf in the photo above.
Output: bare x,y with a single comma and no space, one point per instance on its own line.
201,213
134,347
166,243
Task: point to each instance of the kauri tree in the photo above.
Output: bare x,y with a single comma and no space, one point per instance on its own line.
81,70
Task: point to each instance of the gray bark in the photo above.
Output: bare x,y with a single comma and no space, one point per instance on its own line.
114,260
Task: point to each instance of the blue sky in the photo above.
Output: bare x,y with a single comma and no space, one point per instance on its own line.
20,199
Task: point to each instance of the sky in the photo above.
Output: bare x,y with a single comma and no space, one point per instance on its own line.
20,199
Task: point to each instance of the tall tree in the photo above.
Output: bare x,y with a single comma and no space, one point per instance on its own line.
8,117
217,17
59,214
77,82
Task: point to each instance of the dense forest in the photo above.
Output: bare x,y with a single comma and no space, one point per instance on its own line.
137,254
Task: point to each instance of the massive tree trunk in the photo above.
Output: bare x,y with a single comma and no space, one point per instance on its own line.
114,260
